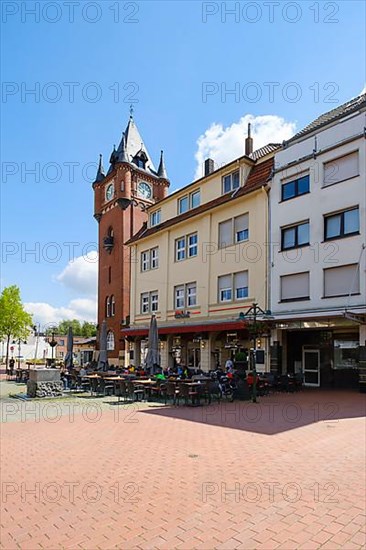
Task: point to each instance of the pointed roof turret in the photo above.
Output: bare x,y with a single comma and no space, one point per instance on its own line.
100,172
162,173
121,154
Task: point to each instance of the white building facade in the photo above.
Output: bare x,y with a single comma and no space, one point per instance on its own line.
317,255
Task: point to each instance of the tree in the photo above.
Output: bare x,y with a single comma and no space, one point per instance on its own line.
14,320
85,329
88,329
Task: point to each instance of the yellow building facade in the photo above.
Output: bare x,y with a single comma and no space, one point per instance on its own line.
200,263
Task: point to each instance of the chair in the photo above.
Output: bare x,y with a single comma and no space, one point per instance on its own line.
189,392
121,390
135,391
108,387
173,391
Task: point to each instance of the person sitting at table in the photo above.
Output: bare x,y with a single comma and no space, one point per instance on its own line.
82,372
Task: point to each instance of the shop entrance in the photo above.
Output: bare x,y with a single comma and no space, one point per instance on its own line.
311,367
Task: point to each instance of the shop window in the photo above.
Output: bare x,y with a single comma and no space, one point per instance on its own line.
346,353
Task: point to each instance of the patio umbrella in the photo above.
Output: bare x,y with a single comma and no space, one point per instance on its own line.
103,356
153,358
69,358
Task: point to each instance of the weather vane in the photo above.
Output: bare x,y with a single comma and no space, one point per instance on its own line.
131,110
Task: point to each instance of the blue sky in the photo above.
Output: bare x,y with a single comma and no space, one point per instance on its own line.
176,62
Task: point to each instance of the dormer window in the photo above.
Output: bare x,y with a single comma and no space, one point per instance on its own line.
140,159
230,182
155,218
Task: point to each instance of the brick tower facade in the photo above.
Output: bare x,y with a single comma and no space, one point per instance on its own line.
120,200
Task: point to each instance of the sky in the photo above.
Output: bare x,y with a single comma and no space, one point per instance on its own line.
195,74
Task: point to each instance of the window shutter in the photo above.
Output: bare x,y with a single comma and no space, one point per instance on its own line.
341,281
225,233
341,169
242,223
295,286
241,279
224,282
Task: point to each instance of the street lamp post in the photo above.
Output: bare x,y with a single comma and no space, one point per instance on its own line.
252,314
53,344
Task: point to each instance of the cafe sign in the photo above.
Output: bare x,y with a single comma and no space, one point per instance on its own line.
182,314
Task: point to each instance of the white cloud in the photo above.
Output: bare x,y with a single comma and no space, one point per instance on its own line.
225,144
84,309
81,274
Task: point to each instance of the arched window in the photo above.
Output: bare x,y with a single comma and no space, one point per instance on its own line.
110,341
113,306
107,307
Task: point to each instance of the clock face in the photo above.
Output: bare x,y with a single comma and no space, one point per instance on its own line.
144,190
109,192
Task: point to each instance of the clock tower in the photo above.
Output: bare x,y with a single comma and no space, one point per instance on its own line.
121,197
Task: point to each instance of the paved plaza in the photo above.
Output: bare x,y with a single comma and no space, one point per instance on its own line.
88,473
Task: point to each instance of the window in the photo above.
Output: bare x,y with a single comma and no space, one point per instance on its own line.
150,259
180,249
179,297
154,258
241,228
192,245
185,296
195,199
241,285
225,288
110,341
341,281
189,201
150,302
145,302
233,285
155,218
295,236
225,233
295,188
230,182
145,260
235,230
341,224
340,169
183,205
186,247
107,307
113,306
295,287
191,294
154,301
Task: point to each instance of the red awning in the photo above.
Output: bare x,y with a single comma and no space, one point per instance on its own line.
180,329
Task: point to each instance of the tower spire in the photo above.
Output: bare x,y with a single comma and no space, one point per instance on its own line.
100,172
162,173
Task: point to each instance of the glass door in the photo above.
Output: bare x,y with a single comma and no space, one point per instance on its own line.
311,367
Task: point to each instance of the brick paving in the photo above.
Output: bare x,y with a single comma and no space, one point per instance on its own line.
288,473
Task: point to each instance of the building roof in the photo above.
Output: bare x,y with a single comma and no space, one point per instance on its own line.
331,116
266,150
258,176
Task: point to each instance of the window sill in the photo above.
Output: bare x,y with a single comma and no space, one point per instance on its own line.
294,300
330,239
295,197
326,185
341,295
294,247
